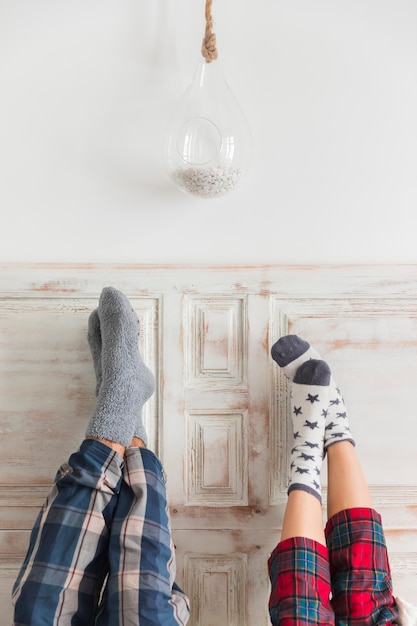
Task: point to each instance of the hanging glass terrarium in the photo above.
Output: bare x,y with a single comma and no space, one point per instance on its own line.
209,142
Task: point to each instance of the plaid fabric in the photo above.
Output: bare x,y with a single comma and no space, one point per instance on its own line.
355,569
72,543
140,588
300,583
60,580
360,571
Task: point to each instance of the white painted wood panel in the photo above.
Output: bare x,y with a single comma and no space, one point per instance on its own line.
218,418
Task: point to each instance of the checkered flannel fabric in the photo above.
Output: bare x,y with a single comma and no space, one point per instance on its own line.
300,583
142,560
360,570
71,556
63,572
353,571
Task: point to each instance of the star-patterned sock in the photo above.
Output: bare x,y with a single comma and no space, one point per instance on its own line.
309,401
124,383
290,352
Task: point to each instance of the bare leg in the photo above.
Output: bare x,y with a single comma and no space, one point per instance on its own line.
137,442
303,518
347,487
118,447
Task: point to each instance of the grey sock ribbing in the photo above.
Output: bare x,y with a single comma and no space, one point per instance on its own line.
309,401
290,352
126,383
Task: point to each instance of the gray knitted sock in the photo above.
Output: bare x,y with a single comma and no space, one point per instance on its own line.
290,352
126,383
94,341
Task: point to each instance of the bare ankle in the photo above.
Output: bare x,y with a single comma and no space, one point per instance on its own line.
137,443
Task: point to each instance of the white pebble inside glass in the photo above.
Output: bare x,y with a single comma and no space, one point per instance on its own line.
207,182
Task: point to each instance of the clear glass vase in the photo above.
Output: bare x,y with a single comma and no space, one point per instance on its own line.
209,145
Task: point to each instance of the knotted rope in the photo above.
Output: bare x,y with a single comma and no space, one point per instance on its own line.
208,49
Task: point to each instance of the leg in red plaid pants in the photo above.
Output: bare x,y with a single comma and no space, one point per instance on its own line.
354,568
300,583
359,568
341,577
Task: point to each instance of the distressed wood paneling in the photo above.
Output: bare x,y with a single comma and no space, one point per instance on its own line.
215,328
217,588
217,469
218,418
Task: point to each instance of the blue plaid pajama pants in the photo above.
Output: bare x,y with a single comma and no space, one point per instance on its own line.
101,552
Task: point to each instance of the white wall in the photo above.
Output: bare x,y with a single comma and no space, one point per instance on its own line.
329,87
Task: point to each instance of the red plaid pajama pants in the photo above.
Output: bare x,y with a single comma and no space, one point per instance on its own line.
347,582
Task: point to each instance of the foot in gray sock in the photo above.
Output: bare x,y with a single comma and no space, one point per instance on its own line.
126,382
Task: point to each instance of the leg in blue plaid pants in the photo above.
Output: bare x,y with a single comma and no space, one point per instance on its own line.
62,574
102,518
140,587
101,551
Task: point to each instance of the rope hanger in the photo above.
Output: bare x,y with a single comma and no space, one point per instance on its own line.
208,49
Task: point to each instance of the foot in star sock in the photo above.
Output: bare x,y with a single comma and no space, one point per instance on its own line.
126,382
309,401
290,352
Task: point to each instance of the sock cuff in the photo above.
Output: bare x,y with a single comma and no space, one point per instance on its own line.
306,488
140,432
332,442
